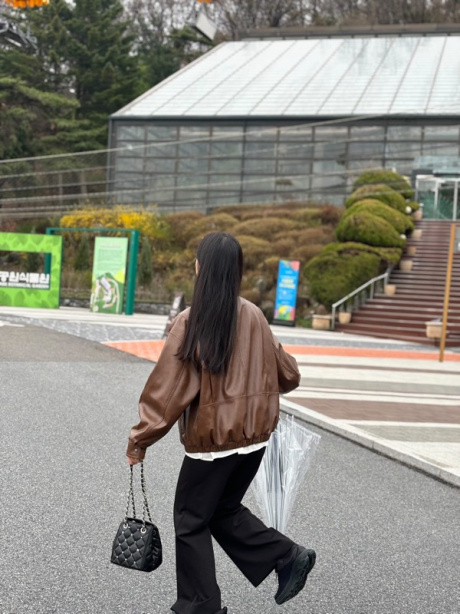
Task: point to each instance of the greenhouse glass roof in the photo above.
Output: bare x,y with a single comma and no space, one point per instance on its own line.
411,75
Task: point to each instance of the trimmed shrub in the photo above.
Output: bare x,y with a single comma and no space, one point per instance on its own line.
237,211
308,216
388,255
380,192
400,222
218,222
317,234
8,226
265,228
264,212
306,252
333,275
268,309
364,227
168,260
270,268
414,205
255,250
329,214
394,180
287,210
252,295
179,223
181,280
283,247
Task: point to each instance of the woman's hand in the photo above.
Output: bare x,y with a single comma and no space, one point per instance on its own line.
134,453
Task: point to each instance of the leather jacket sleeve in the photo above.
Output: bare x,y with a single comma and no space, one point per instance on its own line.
169,390
288,371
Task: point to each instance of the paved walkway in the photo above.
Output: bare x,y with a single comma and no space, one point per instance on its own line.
393,397
384,534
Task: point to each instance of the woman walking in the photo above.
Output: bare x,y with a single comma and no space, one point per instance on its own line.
220,375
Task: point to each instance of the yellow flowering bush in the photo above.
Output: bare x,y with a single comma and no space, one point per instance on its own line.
147,223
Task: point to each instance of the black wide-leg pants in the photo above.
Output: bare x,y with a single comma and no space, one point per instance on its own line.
208,503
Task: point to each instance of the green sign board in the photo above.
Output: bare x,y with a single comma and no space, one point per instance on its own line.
31,288
109,273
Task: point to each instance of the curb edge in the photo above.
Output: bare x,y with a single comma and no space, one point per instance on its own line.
368,441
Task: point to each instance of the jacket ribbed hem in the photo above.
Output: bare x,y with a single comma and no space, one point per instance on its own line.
228,446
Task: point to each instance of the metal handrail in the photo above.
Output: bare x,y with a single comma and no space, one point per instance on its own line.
359,293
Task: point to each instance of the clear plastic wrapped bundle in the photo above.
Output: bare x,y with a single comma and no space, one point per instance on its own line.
283,468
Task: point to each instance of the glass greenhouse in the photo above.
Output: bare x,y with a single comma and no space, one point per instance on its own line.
282,120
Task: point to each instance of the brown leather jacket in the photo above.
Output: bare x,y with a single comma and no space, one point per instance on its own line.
217,412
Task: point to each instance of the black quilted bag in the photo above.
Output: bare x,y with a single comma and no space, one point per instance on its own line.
137,544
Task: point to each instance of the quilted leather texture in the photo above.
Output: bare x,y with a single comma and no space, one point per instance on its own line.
137,550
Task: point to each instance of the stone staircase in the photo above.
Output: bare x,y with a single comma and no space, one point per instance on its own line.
419,295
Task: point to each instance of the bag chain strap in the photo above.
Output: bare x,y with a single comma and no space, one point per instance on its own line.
130,496
146,511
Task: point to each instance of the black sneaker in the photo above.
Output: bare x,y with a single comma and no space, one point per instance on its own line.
292,573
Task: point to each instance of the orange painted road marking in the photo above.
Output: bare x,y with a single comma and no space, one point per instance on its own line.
151,350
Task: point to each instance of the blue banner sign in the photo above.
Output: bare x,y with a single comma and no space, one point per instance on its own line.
286,291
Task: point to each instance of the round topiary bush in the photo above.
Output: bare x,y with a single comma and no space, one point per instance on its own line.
380,192
400,222
414,205
331,276
364,227
394,180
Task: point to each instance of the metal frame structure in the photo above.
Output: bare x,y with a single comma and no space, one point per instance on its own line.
426,184
207,162
11,34
361,101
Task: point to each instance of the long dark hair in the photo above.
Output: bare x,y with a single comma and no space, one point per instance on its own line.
211,328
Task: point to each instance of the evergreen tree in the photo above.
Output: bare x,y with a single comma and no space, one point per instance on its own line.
84,53
145,264
29,118
82,258
100,58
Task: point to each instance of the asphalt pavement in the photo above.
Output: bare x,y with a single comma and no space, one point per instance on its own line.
386,536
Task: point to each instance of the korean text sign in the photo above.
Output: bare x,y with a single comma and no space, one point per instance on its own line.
286,291
31,288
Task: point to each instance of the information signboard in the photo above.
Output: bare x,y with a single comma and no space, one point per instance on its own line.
286,292
26,288
109,274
